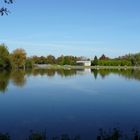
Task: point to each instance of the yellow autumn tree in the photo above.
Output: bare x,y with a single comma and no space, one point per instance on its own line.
18,58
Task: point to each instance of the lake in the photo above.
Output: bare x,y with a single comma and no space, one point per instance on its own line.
74,102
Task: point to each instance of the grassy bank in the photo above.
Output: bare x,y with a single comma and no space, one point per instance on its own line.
84,67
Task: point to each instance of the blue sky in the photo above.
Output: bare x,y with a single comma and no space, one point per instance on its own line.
73,27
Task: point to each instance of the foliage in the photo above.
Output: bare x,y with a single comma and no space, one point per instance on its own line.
95,61
60,60
39,60
50,59
4,57
42,136
114,62
29,63
112,134
37,136
115,134
18,58
4,10
3,51
66,60
103,57
105,61
134,58
4,136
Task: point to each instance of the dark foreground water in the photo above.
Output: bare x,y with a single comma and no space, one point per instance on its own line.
75,102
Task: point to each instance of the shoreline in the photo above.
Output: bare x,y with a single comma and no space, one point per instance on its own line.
85,67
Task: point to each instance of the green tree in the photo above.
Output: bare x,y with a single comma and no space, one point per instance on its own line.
95,61
103,57
4,57
29,63
60,60
69,60
18,58
50,59
66,60
39,60
35,59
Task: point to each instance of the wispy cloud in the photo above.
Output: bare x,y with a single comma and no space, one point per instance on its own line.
73,44
50,43
80,48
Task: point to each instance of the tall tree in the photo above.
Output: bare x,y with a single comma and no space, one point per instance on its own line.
3,51
60,60
18,58
50,59
4,57
95,61
103,57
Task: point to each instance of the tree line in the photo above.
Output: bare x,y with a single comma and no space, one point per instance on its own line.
113,134
127,60
18,59
50,59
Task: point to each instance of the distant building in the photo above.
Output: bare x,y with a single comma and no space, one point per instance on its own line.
84,63
41,65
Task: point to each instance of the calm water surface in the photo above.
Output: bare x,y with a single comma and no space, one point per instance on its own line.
76,102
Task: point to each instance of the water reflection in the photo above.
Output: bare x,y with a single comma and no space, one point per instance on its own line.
52,72
4,80
126,73
19,77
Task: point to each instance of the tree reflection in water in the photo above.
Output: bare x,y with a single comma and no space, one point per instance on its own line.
126,73
4,80
19,77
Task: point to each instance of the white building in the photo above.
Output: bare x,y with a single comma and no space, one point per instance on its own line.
84,63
